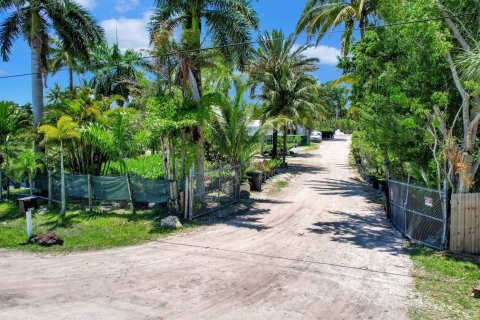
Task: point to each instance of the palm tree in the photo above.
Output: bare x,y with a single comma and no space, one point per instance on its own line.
275,53
230,128
227,22
65,130
292,98
60,57
26,165
33,20
11,117
115,72
319,16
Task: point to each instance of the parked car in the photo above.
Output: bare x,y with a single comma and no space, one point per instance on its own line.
316,136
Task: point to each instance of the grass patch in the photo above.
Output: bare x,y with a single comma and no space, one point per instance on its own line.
82,231
312,147
444,286
281,184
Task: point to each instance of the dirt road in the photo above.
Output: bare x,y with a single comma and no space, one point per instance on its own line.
319,250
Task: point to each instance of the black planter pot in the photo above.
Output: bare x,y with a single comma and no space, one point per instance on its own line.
255,180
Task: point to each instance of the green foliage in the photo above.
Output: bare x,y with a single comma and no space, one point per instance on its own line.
445,285
82,231
398,71
146,166
27,163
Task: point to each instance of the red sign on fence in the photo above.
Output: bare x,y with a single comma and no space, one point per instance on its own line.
428,202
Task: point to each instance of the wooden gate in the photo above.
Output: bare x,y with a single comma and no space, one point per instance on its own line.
465,223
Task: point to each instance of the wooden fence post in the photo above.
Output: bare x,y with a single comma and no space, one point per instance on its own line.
465,223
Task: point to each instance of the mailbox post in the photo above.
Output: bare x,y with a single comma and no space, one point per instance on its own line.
26,205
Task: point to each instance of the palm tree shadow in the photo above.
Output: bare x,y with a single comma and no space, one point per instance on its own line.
370,231
347,188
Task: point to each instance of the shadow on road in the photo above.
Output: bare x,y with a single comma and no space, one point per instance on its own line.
366,231
346,188
250,217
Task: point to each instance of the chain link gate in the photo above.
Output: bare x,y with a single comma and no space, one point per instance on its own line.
419,213
219,191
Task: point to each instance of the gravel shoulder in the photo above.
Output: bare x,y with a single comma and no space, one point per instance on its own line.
319,249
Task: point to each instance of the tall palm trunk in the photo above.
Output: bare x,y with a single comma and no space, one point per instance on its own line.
275,144
62,181
70,79
49,187
37,82
285,138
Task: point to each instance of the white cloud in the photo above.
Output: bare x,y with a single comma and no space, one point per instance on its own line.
126,5
326,54
132,33
87,4
3,73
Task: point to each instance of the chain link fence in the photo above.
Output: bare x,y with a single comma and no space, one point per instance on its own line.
221,188
85,190
419,213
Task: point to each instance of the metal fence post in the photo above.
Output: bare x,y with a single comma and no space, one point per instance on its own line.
190,198
445,214
89,187
405,208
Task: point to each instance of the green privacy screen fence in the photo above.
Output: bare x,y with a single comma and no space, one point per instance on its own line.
107,188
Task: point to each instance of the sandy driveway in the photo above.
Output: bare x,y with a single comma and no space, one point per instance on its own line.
320,250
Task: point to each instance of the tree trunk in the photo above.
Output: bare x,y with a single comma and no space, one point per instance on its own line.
199,165
173,181
465,176
183,154
62,181
37,81
130,193
7,169
1,185
285,139
49,172
275,144
70,79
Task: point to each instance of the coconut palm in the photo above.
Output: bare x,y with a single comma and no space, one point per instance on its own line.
11,118
60,57
292,98
226,21
34,20
115,72
275,53
230,131
65,130
319,16
27,163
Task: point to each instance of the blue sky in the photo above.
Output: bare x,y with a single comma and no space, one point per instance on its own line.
130,17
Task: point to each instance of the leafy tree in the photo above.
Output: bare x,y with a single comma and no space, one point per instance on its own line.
34,20
334,100
397,70
27,163
65,130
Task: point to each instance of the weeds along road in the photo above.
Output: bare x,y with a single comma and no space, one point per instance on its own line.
321,249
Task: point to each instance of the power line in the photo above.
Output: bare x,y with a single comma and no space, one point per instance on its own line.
308,35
